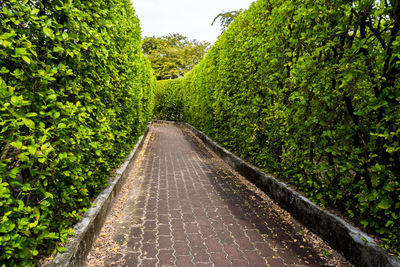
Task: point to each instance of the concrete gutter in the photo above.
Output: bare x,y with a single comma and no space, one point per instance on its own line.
87,230
359,248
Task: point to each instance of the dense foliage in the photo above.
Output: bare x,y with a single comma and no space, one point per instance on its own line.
169,105
310,91
75,94
173,55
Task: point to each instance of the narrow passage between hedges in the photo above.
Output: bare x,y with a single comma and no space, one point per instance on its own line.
183,206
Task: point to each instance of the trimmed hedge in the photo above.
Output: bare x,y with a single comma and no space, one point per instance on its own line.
310,91
168,100
75,94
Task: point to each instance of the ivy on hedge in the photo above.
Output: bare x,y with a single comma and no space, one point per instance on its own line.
310,91
75,94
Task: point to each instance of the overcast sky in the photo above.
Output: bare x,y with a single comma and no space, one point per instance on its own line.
191,18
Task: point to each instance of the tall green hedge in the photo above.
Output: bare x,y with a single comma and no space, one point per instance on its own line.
310,90
75,94
168,100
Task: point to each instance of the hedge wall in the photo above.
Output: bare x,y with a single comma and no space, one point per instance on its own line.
310,91
75,94
168,100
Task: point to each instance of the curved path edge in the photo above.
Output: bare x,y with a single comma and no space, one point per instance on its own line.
358,247
88,228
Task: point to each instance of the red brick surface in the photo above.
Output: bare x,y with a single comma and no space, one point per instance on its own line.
193,211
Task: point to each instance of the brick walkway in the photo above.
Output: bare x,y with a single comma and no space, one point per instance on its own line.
184,207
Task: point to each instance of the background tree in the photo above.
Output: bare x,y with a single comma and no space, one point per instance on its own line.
226,18
173,55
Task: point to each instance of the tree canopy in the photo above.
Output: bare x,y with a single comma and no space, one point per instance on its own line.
226,18
173,55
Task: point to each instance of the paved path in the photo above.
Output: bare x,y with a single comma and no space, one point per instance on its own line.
183,207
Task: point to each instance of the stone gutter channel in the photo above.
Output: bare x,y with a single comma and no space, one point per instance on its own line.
359,248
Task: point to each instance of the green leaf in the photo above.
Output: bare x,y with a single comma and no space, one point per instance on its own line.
32,225
58,49
17,144
3,70
48,32
48,195
52,97
24,157
56,115
35,11
26,59
61,249
326,253
385,204
21,51
7,35
31,114
5,43
32,150
28,123
64,35
15,100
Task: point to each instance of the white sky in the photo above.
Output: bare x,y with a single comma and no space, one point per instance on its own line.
191,18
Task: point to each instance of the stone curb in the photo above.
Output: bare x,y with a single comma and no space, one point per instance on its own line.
359,248
87,230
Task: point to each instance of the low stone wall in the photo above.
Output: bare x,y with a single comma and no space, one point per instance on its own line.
355,245
87,230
